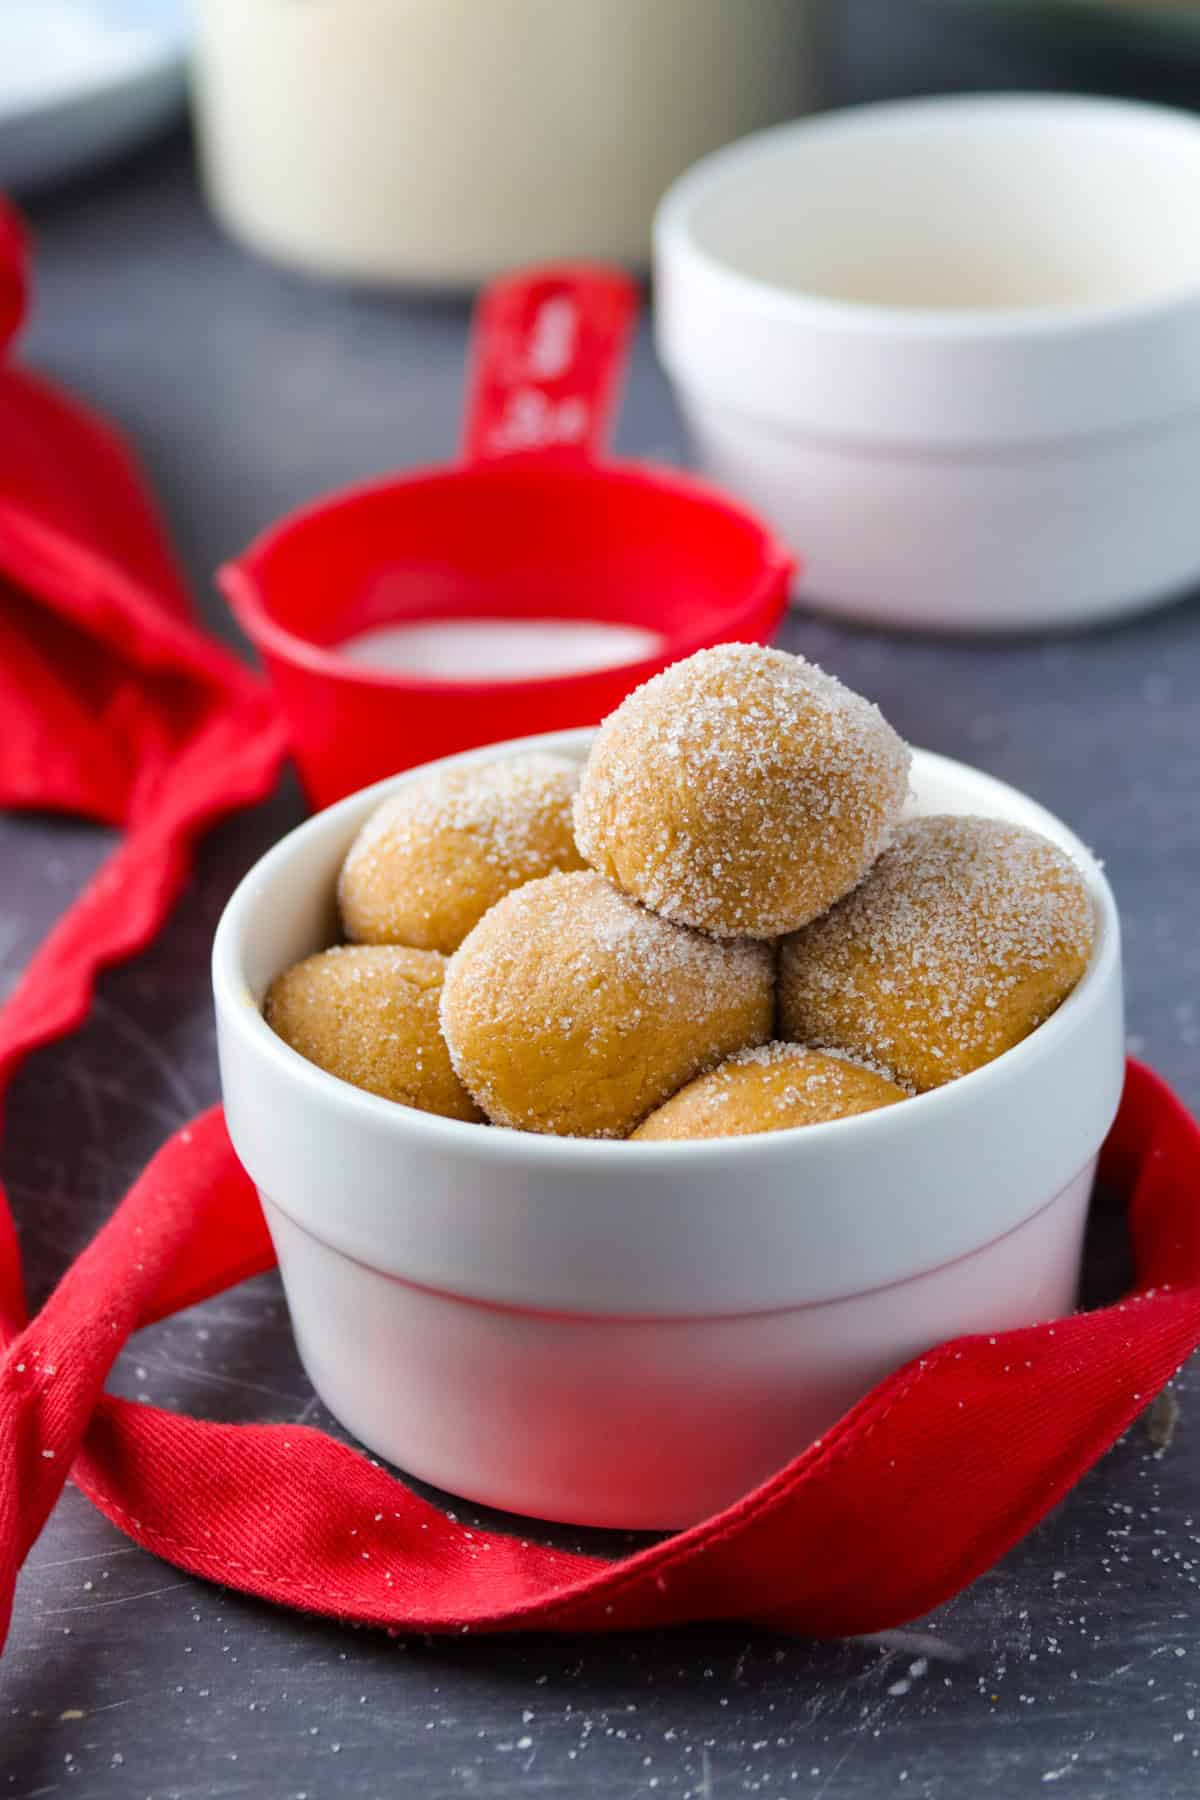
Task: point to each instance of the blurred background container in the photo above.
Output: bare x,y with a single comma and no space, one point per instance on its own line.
84,81
432,141
436,142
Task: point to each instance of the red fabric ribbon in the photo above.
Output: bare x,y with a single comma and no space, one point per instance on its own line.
115,707
916,1491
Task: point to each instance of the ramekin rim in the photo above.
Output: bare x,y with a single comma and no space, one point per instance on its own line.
240,1011
674,238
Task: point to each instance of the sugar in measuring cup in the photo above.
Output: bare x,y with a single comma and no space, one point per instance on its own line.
528,588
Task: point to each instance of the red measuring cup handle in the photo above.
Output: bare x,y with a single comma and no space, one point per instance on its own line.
547,355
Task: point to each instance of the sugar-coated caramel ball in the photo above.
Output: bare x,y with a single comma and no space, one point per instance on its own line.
741,791
368,1013
773,1088
964,937
433,858
570,1009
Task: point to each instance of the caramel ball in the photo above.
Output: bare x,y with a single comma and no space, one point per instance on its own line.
433,858
774,1088
741,791
570,1009
369,1014
964,937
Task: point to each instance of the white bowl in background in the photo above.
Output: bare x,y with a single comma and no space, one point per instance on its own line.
951,347
84,81
633,1334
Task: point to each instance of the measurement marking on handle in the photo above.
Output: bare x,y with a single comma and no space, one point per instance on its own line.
531,420
553,338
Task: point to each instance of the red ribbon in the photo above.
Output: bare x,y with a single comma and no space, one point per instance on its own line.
116,708
916,1491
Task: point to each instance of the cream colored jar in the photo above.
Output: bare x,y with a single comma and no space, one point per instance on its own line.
439,141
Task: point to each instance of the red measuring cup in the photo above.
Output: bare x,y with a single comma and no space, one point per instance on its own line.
529,526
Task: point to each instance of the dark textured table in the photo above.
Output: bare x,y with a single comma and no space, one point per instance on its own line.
1076,1661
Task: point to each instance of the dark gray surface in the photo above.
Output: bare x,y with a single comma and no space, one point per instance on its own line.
1074,1662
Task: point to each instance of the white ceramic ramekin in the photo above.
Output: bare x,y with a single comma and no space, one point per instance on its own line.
634,1334
952,348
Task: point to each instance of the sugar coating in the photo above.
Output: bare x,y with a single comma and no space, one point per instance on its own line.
964,937
430,860
368,1013
569,1009
776,1087
741,791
